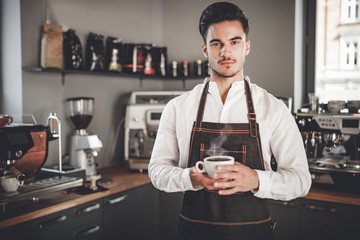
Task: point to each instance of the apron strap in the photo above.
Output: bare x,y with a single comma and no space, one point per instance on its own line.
251,111
201,108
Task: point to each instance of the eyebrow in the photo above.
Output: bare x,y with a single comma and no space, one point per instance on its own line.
232,39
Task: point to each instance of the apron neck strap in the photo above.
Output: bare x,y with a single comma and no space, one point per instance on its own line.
201,108
251,111
249,103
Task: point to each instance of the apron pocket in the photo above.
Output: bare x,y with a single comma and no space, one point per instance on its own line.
237,151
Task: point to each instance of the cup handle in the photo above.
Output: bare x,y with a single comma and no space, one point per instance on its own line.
200,166
10,119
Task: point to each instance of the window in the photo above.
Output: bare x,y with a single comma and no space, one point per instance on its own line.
349,53
350,11
337,67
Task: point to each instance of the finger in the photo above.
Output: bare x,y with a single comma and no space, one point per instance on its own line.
234,167
226,175
194,170
229,191
224,184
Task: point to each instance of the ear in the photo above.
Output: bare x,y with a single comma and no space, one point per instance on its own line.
247,47
204,50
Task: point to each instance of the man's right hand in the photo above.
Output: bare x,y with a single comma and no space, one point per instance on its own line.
202,180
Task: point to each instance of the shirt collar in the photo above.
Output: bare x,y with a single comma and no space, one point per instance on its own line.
238,85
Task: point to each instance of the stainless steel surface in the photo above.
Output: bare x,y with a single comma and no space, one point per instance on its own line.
46,185
336,164
55,131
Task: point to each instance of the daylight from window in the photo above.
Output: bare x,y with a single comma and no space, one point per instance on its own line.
337,74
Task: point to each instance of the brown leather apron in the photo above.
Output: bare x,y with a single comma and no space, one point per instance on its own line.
237,216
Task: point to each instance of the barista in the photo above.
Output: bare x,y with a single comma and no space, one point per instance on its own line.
234,117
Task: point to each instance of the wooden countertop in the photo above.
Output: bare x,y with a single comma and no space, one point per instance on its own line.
328,193
19,211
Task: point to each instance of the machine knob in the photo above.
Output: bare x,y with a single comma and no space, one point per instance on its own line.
136,119
95,153
18,154
302,122
314,176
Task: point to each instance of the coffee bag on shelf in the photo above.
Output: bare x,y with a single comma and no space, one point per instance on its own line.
52,47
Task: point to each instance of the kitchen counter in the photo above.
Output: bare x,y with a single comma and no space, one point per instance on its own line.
19,211
328,193
23,210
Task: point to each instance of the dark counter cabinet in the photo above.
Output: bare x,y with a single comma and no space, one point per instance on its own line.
306,219
132,214
81,222
286,217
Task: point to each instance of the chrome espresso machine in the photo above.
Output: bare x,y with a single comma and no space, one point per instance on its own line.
332,144
142,119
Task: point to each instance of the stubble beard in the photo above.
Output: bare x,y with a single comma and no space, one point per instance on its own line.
223,75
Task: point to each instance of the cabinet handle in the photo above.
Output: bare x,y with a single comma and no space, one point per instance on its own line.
282,203
52,221
88,232
117,200
312,207
88,209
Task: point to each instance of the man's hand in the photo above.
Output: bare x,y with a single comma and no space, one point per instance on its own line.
243,179
238,178
199,179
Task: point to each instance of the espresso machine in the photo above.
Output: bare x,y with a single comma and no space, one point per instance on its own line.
332,144
84,147
23,152
142,119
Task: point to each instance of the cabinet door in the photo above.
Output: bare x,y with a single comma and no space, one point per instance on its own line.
286,216
20,231
132,214
347,221
89,231
54,226
318,220
170,208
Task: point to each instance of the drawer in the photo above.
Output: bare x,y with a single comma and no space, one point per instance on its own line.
54,226
90,231
88,212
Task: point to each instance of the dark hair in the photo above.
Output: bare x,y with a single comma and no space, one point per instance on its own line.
222,11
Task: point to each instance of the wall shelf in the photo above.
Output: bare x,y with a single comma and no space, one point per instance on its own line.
113,74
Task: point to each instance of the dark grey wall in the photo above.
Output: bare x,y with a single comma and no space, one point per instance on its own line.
169,23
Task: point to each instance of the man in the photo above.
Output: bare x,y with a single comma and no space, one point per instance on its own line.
228,115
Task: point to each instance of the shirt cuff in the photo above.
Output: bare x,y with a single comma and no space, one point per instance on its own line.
264,184
187,181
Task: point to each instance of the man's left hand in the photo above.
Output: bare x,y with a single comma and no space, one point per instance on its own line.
243,179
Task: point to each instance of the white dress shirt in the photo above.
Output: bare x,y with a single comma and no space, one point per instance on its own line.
279,135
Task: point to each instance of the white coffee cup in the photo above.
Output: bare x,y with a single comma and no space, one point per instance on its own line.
9,183
210,164
336,106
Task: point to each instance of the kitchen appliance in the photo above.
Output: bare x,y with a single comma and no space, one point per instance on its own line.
23,152
142,119
84,147
332,144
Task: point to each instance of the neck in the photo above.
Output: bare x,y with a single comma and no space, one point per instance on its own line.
224,84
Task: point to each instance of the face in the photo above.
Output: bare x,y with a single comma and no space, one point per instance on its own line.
226,47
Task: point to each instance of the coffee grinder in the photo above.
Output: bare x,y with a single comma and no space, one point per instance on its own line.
84,147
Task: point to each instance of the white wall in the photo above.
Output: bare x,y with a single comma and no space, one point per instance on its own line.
169,23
